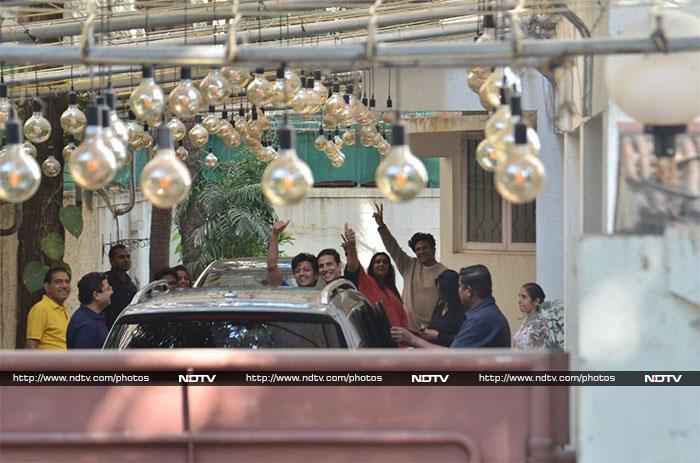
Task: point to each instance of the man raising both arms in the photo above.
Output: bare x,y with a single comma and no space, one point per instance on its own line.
419,273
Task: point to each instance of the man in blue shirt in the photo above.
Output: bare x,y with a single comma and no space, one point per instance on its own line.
87,328
484,324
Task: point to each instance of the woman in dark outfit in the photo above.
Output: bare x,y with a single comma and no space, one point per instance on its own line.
447,317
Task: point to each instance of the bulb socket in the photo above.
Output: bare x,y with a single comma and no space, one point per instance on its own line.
504,95
303,82
284,136
147,72
317,75
211,109
13,132
346,98
99,100
3,90
254,113
365,101
489,22
389,103
132,116
260,70
72,98
224,114
185,73
280,73
198,119
372,102
105,117
398,135
146,128
164,139
110,99
320,130
36,106
665,138
241,111
336,87
310,82
520,132
349,89
93,116
515,108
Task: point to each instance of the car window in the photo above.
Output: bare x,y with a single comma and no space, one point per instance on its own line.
229,330
241,278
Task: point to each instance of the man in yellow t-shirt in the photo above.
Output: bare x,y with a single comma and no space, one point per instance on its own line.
48,319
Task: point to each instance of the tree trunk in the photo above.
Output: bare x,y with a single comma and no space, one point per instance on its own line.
159,254
40,212
194,220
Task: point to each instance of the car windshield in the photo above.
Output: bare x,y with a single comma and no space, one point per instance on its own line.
269,330
241,278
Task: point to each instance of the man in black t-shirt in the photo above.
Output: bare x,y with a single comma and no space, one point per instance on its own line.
123,289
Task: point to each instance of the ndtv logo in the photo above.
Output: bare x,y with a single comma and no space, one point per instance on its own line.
196,378
429,378
662,378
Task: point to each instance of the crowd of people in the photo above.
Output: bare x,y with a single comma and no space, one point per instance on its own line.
438,307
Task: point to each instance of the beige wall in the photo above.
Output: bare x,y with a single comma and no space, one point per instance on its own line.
8,280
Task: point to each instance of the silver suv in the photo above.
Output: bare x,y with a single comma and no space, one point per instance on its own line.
336,317
242,272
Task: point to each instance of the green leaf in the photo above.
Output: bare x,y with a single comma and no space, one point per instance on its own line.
52,245
88,197
72,219
33,275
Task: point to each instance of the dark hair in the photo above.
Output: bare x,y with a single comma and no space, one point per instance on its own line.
535,291
159,274
389,280
88,284
478,278
421,237
50,272
329,252
305,257
448,285
113,250
183,268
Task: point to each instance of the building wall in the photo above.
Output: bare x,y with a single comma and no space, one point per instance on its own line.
8,280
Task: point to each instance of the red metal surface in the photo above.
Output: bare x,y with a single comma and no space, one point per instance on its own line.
272,423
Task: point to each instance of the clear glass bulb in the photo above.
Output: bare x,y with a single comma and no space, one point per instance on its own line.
233,140
119,127
20,175
236,77
135,131
334,104
293,79
490,91
263,122
330,120
349,137
346,116
338,142
306,101
214,88
115,144
389,117
338,160
500,123
165,180
184,100
320,142
67,151
384,148
177,128
29,149
93,164
321,90
73,120
211,122
199,135
401,176
287,180
521,177
329,148
147,140
357,109
489,155
37,129
51,167
283,91
5,110
182,153
148,101
211,160
254,130
270,153
259,90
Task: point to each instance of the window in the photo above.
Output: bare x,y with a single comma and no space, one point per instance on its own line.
488,222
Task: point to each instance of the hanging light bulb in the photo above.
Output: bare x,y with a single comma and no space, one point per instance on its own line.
476,76
67,151
147,100
177,128
5,106
112,140
294,81
337,140
199,135
254,131
500,122
135,132
507,141
211,121
286,180
349,137
73,120
319,88
37,129
93,164
488,155
20,175
367,134
282,91
312,98
346,118
270,153
335,103
185,100
522,176
211,160
400,176
384,148
51,167
165,180
263,121
118,127
320,141
181,152
147,141
490,91
214,88
330,120
29,149
236,77
259,90
389,116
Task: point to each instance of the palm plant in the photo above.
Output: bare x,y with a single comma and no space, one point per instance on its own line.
234,218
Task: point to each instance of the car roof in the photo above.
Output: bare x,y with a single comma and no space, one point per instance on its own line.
227,272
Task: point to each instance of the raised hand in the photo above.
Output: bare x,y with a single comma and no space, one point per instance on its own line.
279,226
348,238
379,214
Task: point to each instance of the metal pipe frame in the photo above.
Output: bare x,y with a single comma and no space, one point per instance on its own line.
334,56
